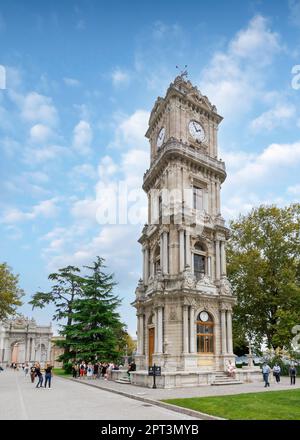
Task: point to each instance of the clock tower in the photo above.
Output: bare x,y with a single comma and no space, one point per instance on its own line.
184,300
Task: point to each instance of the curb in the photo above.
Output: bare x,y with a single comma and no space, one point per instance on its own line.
169,406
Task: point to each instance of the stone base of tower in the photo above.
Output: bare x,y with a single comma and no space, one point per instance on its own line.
182,379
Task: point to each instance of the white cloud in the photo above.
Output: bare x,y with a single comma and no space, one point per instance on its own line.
85,170
35,156
40,133
46,208
82,137
130,132
257,42
72,82
294,190
235,78
273,118
107,168
120,77
10,146
38,107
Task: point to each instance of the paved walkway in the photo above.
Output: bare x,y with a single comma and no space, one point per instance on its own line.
66,400
200,391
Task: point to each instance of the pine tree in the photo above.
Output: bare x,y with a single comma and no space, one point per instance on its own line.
96,332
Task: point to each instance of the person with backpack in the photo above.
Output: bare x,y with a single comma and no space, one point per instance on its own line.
276,372
293,373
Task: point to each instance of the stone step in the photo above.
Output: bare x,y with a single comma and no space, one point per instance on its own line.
123,380
227,382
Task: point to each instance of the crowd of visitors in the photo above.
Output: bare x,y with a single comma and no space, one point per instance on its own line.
82,370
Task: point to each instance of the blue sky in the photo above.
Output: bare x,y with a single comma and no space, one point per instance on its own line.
81,78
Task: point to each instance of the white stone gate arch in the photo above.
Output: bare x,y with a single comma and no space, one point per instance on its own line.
34,341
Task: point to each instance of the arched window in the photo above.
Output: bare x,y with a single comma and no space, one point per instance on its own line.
205,333
199,260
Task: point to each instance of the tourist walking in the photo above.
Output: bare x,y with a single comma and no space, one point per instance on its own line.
293,373
39,375
75,370
82,370
266,371
89,371
96,370
276,372
48,375
26,369
32,373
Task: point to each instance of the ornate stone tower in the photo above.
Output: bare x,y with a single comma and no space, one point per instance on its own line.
184,301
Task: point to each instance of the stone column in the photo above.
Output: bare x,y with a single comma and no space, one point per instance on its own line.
141,333
217,259
161,248
187,249
217,198
49,350
192,330
213,198
33,350
181,250
223,331
138,342
223,258
145,264
185,329
160,330
229,332
209,266
165,252
156,332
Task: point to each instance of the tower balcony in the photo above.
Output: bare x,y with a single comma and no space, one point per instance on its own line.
173,148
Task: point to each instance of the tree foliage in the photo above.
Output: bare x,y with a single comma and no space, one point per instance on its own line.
96,331
10,292
66,289
264,269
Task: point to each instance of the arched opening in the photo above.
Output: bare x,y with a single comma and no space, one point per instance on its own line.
205,333
199,260
17,352
156,259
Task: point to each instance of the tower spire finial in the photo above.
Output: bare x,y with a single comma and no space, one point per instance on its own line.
183,72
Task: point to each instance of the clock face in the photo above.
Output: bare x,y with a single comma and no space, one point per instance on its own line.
160,137
204,316
197,131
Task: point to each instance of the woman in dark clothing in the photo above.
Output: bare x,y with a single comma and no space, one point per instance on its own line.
96,370
38,373
48,375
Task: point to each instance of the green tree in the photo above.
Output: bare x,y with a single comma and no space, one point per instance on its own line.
10,292
264,269
96,331
67,288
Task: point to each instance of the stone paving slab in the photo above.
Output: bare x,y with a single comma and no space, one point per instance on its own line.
200,391
66,400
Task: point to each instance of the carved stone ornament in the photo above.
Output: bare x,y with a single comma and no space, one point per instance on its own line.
189,280
225,286
173,314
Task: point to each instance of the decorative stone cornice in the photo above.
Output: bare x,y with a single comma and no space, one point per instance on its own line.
174,148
